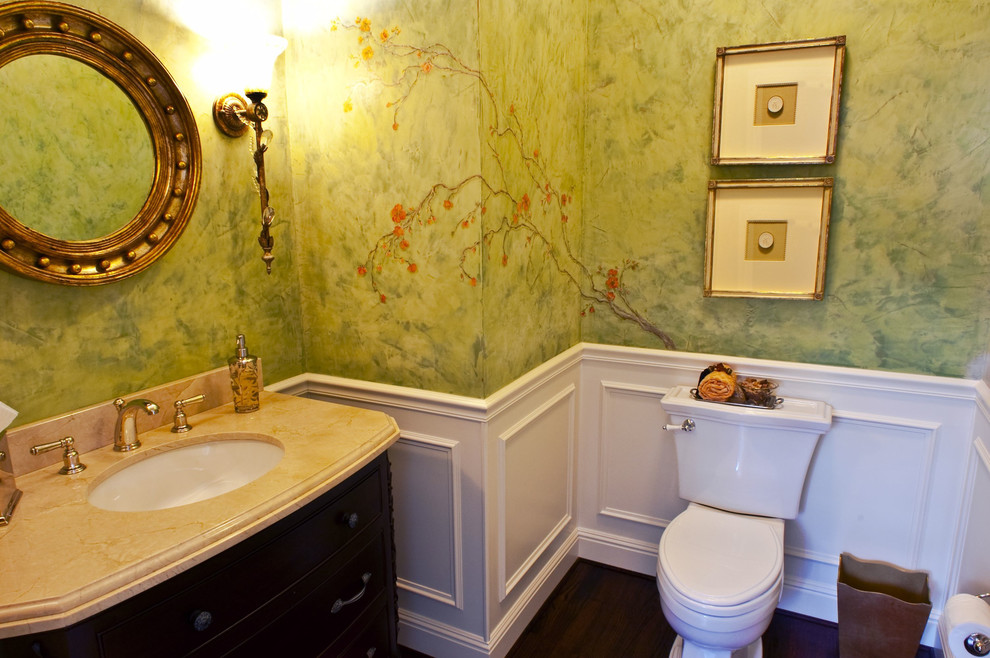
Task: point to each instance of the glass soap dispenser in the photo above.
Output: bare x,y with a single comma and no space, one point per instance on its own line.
244,379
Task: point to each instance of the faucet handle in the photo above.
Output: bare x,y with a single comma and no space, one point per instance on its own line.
70,458
180,424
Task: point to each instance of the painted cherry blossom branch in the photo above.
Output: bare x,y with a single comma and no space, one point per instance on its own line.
540,219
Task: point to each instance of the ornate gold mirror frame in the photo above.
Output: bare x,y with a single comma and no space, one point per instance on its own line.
37,27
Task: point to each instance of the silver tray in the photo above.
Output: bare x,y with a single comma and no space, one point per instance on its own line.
772,403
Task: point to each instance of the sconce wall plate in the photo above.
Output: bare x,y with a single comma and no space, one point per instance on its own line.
227,112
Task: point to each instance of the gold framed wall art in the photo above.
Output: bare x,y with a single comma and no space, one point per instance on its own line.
767,238
778,103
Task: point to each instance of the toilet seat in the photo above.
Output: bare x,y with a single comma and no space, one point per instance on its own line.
720,563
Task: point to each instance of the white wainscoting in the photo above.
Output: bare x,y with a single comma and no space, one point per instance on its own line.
534,487
972,574
439,508
428,519
484,499
637,470
887,482
495,498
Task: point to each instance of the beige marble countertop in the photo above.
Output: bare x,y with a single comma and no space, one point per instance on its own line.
65,560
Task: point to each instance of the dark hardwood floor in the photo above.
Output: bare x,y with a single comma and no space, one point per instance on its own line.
600,612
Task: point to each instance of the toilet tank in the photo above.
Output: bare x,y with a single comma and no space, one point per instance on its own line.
745,459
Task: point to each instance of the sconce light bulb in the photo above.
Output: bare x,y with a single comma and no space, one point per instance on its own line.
258,63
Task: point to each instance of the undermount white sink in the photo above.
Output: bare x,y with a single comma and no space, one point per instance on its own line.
189,473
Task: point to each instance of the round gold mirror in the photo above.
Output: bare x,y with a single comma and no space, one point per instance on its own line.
86,98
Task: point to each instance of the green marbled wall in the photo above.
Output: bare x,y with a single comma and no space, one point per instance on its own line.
351,169
616,98
403,118
534,74
485,303
62,347
908,277
601,113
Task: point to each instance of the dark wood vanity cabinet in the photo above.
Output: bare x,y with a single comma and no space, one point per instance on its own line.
320,582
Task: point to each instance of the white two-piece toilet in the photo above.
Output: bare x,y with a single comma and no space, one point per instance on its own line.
742,469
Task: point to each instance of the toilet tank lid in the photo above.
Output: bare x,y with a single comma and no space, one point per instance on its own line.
793,413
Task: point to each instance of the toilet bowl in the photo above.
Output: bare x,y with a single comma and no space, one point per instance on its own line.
720,562
720,577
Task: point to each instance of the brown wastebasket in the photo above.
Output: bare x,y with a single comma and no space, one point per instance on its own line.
883,609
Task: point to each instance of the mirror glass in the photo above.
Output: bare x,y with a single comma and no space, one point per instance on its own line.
100,160
75,171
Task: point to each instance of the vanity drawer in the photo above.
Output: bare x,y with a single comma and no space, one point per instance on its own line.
335,609
235,592
371,638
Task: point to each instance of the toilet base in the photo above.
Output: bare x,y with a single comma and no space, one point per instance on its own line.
753,650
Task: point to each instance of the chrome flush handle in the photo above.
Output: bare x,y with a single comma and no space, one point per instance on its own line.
687,426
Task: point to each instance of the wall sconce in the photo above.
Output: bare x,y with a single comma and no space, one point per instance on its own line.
234,115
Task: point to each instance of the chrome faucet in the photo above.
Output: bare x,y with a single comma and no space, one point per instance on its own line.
125,431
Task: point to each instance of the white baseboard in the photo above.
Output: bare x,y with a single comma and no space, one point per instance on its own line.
514,622
438,640
441,641
615,551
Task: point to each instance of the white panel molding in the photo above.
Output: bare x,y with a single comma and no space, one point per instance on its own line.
811,556
607,387
816,587
979,456
983,452
927,432
506,587
890,421
508,396
618,551
983,400
453,598
506,583
945,423
635,517
515,620
441,640
812,598
979,461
